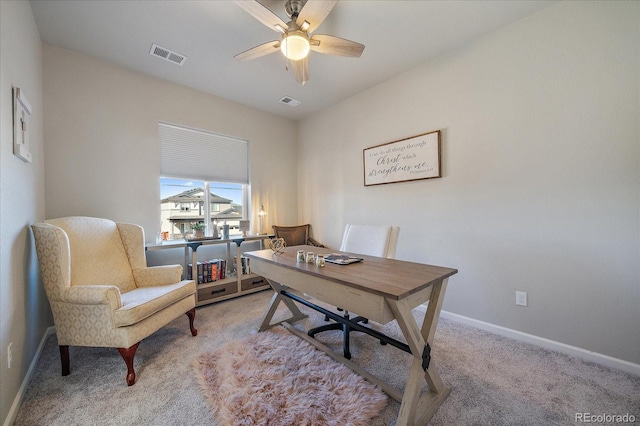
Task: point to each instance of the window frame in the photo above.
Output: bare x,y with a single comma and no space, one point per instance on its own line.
228,155
207,212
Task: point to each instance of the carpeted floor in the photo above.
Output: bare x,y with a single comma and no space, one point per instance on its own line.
494,380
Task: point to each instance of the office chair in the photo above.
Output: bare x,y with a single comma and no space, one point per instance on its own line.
295,235
367,240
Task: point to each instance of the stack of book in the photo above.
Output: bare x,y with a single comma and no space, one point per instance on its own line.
244,263
208,271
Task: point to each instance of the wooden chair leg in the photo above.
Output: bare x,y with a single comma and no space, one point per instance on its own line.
192,316
64,359
128,354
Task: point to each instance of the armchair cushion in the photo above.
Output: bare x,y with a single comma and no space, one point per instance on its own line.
143,302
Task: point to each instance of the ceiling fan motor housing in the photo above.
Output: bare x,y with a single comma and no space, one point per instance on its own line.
293,8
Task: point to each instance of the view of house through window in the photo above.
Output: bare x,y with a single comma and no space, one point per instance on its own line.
184,203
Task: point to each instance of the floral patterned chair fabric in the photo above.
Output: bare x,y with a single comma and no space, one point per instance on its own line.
100,289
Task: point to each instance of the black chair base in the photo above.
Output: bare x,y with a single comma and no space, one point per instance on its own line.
338,326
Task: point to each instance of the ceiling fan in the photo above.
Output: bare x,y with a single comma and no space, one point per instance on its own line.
297,39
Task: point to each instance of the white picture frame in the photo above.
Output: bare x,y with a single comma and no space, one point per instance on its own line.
21,113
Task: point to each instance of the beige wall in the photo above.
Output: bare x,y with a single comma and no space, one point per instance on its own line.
541,181
24,310
102,150
102,159
541,159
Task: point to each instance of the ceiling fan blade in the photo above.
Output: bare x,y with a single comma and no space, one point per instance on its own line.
314,12
332,45
261,50
262,14
301,70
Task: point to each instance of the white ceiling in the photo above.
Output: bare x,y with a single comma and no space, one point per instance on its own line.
398,35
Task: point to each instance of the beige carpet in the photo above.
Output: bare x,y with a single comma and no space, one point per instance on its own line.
274,378
494,380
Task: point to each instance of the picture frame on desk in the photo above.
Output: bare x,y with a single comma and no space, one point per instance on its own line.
245,227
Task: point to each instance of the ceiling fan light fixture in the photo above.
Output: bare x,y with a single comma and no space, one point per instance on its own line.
295,45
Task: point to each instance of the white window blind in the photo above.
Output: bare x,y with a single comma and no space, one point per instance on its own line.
196,154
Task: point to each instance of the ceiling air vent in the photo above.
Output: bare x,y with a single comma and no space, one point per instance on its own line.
290,101
167,54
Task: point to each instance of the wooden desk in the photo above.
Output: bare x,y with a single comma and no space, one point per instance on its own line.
379,289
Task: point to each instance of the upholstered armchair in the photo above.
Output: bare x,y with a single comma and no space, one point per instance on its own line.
295,235
100,289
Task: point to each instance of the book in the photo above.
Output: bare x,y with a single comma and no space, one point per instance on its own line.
208,271
244,264
222,269
200,268
341,259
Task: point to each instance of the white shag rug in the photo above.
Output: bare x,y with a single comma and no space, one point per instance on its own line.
274,378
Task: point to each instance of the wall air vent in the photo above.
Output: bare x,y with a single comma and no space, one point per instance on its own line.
167,54
290,101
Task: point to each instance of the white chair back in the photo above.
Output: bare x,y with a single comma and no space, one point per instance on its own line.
371,240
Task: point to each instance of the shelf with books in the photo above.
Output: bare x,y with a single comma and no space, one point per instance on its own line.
208,271
218,279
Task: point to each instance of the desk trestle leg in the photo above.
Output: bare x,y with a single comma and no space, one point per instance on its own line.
417,409
273,306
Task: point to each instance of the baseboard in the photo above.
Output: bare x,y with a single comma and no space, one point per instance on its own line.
13,412
598,358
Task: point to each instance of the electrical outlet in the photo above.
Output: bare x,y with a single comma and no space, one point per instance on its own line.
521,298
9,355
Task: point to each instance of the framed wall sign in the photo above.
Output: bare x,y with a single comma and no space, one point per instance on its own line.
414,158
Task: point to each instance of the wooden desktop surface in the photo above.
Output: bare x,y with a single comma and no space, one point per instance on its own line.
390,278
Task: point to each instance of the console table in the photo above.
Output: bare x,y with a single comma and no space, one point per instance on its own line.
227,288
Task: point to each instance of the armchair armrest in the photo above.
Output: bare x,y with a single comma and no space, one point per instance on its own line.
158,275
93,295
314,242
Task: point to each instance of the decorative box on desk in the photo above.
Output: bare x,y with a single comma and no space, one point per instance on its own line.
233,275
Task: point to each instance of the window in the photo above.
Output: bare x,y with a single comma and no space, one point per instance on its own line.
209,187
178,215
